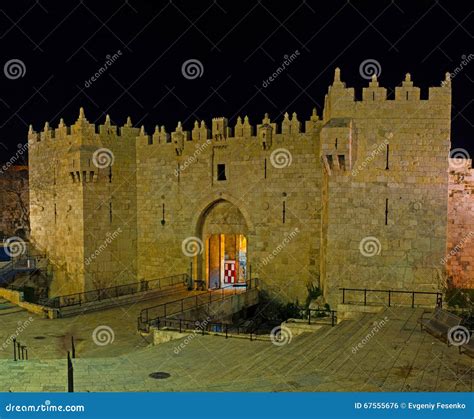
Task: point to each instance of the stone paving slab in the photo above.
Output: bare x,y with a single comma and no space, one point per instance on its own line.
398,357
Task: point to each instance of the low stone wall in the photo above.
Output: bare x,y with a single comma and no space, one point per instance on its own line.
16,297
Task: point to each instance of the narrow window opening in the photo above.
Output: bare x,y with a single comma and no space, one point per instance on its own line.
265,169
150,140
110,174
163,221
342,161
221,172
284,212
330,162
387,157
55,214
373,95
386,211
110,212
406,95
336,144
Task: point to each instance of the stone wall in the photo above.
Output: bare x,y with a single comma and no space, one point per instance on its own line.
356,199
459,257
14,206
387,201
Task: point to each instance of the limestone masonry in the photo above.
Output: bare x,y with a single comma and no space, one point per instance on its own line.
357,197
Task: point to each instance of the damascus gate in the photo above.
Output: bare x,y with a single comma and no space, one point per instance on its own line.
361,194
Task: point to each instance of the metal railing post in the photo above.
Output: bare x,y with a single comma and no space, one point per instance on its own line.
73,347
70,374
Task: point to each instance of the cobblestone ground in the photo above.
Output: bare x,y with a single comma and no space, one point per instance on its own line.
396,357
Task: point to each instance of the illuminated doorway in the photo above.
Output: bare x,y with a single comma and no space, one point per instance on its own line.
226,260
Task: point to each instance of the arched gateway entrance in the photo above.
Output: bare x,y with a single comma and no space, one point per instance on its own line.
224,261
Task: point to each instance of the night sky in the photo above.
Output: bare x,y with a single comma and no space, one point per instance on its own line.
61,45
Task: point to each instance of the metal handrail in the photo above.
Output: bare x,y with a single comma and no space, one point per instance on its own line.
115,291
218,328
328,311
439,295
151,314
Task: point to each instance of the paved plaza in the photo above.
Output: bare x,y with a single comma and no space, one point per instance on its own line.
356,355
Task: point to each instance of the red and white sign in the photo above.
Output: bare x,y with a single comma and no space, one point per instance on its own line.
230,275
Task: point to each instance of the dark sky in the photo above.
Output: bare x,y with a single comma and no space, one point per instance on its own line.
239,43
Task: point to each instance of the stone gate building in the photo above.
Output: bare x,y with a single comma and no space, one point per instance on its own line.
356,197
